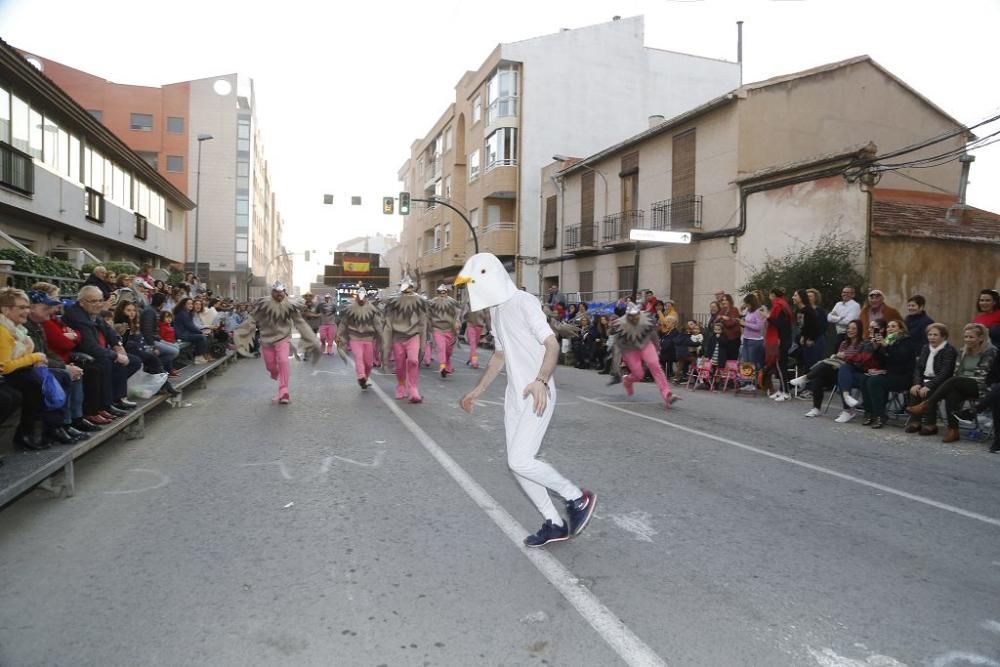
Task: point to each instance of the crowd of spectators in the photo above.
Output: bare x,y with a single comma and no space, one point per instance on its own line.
93,341
867,352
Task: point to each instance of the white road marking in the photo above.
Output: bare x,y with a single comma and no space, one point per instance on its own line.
636,523
829,658
163,481
281,465
991,626
376,462
615,633
962,658
338,372
809,466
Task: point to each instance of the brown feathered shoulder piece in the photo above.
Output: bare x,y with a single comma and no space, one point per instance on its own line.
634,335
360,313
405,305
444,306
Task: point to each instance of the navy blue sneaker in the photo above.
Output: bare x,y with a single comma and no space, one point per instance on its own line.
579,511
548,533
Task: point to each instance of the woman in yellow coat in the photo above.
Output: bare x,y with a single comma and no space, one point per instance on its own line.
17,361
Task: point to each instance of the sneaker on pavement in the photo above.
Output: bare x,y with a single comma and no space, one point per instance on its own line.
799,381
844,417
813,413
549,532
850,401
782,396
580,511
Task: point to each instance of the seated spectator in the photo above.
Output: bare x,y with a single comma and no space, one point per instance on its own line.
166,325
669,335
897,355
150,328
989,313
99,341
581,312
18,359
600,358
581,344
99,278
876,309
935,364
991,399
74,427
10,402
917,319
202,317
571,312
687,349
189,331
844,370
968,382
127,318
754,322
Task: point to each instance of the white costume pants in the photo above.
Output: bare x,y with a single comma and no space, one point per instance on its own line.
525,431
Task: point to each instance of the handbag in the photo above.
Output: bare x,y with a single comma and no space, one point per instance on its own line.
53,396
836,362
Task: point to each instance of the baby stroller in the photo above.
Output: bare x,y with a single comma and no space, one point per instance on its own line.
218,344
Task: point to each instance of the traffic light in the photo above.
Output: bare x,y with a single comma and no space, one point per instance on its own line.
404,203
387,205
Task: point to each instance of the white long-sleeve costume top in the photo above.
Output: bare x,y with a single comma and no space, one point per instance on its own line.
520,330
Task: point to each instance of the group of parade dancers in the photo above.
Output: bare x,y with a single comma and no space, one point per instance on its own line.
526,345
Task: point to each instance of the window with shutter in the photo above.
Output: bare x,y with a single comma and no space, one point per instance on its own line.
683,186
586,285
587,209
549,236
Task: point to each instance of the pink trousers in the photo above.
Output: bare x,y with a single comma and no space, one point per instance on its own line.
634,359
327,332
407,353
472,334
444,341
363,352
276,362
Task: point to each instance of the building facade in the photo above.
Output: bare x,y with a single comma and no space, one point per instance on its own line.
573,91
750,175
72,189
235,236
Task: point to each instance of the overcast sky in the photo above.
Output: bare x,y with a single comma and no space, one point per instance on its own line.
344,88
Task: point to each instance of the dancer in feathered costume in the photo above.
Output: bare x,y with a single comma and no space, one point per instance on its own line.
360,328
475,327
445,324
275,316
529,351
327,323
636,341
406,322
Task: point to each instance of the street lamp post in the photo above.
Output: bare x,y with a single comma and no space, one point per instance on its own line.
197,197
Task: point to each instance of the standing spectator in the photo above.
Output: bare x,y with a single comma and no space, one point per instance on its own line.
144,273
599,332
649,303
729,317
968,381
189,331
754,323
713,313
876,309
844,312
18,360
777,342
688,348
989,313
150,329
917,319
897,355
99,279
554,296
935,364
809,330
822,318
175,275
100,341
669,335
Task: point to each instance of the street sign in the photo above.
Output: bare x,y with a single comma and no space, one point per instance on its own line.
659,237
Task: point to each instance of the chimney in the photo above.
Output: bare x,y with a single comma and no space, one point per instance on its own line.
963,182
655,120
616,18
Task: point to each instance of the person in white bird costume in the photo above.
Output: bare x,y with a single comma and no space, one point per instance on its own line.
526,347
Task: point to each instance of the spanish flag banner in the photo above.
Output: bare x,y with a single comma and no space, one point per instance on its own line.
357,266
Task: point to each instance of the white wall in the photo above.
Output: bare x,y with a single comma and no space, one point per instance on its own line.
583,90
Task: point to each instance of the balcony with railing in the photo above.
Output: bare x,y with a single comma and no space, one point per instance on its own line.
618,225
581,238
432,170
679,213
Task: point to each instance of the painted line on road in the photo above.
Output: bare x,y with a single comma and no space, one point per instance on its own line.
615,633
810,466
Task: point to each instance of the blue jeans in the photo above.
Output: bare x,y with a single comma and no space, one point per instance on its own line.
753,351
848,378
73,408
168,352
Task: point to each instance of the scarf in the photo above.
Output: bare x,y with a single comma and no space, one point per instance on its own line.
22,342
929,366
891,338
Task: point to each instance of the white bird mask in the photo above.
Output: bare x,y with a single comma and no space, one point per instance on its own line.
488,282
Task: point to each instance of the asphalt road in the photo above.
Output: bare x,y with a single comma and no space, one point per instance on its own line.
349,529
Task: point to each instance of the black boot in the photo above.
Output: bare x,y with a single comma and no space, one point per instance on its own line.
59,435
74,433
27,439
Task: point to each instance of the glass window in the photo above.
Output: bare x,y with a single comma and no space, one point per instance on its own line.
152,159
243,145
243,130
242,206
447,234
474,217
242,182
87,157
64,155
141,121
74,158
501,94
50,143
109,179
473,165
128,190
447,187
242,243
97,114
169,219
492,215
448,138
477,109
501,148
242,221
175,125
19,123
4,116
242,168
35,129
175,163
96,171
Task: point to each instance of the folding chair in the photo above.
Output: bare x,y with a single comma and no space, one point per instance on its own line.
729,373
701,372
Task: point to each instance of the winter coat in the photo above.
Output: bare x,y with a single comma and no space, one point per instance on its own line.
944,365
